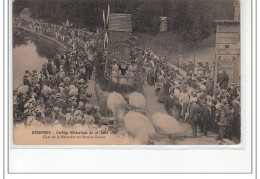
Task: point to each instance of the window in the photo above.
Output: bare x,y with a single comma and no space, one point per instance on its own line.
226,46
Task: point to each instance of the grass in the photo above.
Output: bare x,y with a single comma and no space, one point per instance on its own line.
167,44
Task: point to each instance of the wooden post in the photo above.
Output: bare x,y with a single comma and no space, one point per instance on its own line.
215,70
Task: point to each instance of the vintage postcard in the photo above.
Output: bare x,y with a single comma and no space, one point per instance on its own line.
132,72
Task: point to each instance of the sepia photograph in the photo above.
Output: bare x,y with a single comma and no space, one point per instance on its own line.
126,72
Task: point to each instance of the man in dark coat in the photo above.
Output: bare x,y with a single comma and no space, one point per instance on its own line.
26,80
210,87
57,63
205,116
223,80
50,68
194,116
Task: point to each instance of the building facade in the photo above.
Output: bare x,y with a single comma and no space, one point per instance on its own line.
228,46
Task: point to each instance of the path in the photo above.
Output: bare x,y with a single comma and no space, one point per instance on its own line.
63,46
153,105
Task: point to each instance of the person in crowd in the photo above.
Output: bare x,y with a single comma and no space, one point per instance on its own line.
205,116
184,102
158,86
115,71
222,79
222,125
194,115
26,80
132,68
50,67
191,67
210,87
123,68
172,106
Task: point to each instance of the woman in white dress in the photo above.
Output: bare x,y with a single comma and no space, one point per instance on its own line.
115,69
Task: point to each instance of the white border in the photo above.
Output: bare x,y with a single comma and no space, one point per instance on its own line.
164,160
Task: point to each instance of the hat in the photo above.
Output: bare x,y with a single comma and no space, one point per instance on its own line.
73,99
96,107
228,95
73,92
193,100
37,109
202,88
52,91
224,101
89,119
37,86
41,75
56,109
27,105
81,80
26,111
32,100
58,95
25,76
78,113
66,79
88,106
30,119
72,87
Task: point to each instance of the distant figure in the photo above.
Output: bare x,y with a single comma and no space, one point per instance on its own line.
123,68
132,70
194,115
223,79
205,117
50,67
173,107
115,69
210,87
191,67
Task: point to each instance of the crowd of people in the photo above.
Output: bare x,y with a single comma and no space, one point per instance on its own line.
80,38
123,73
59,92
194,98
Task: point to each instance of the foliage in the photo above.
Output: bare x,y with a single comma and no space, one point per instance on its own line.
192,20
